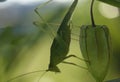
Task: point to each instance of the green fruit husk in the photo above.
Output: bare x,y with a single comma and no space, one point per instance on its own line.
95,46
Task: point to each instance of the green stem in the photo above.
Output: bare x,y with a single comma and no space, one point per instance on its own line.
99,81
91,13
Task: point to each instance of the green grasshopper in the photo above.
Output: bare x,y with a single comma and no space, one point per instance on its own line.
60,45
61,42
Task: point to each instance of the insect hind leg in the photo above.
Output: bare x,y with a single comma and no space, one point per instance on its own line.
70,63
69,56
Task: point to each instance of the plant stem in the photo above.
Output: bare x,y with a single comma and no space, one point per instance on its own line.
99,80
91,13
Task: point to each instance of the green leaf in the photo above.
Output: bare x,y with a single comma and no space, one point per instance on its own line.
112,2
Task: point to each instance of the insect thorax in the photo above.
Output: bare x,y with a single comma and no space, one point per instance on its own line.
53,68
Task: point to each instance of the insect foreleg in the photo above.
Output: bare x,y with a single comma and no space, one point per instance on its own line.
36,10
44,4
44,21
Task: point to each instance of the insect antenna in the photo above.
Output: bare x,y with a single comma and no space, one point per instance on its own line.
25,75
42,75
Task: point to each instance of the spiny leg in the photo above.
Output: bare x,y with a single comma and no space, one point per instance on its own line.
36,10
70,63
50,24
76,57
44,3
44,21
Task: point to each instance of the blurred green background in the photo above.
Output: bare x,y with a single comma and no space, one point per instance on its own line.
25,47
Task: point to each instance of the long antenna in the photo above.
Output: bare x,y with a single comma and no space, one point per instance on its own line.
42,76
24,75
91,13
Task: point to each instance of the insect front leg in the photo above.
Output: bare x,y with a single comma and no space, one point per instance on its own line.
43,21
37,12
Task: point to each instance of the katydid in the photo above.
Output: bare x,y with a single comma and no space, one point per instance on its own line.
60,45
61,42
